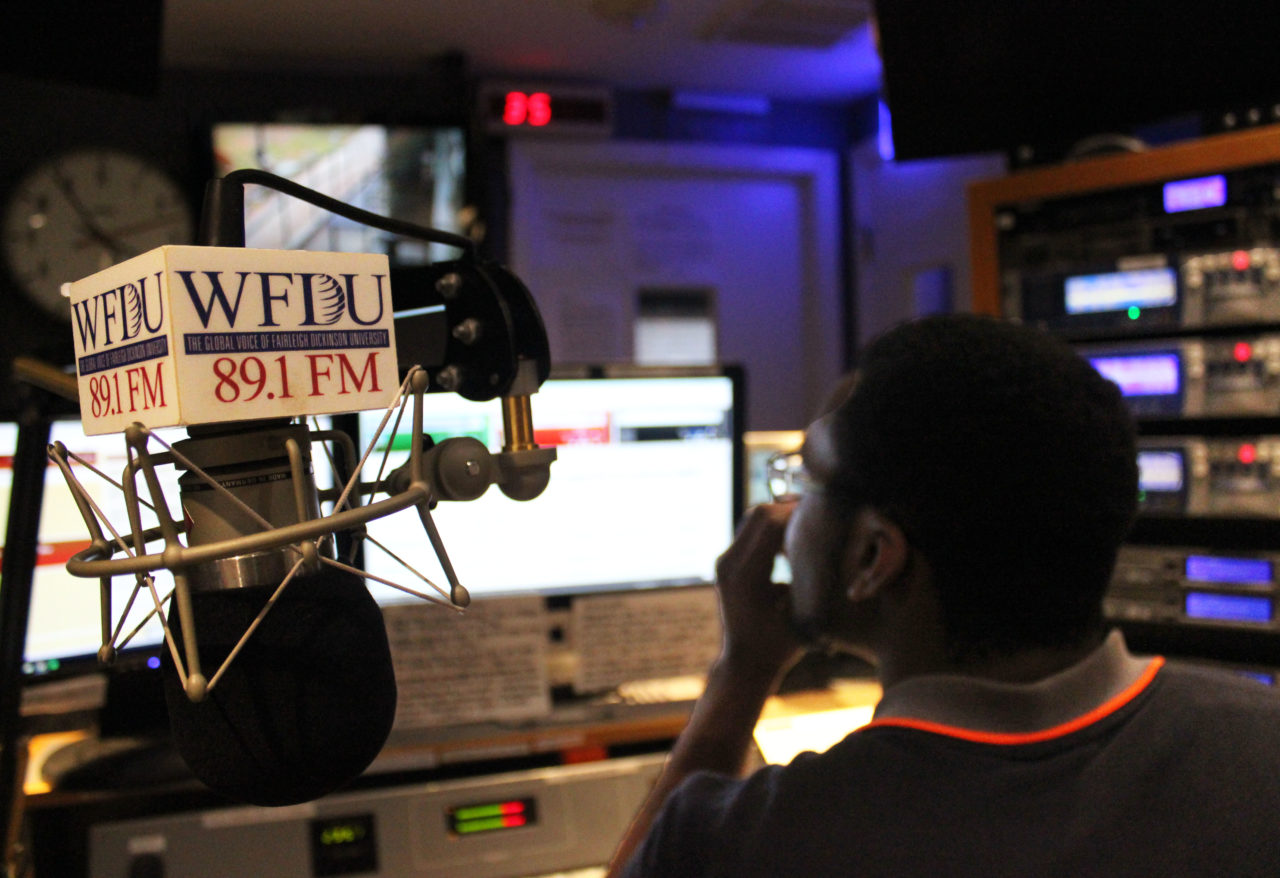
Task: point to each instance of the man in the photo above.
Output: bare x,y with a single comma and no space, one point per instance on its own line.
970,493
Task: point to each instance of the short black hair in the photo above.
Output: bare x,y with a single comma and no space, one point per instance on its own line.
1008,461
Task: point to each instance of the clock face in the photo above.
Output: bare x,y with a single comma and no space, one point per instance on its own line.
82,212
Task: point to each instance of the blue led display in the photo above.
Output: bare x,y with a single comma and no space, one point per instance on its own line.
1239,571
1120,290
1228,607
1141,374
1195,194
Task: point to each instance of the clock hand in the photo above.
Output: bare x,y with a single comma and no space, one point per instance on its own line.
154,222
86,217
157,222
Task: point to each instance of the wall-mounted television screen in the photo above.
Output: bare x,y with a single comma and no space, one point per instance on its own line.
410,173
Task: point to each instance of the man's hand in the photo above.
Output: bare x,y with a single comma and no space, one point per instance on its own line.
758,648
758,635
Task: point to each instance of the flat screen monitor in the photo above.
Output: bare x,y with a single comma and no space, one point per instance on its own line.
645,491
64,627
762,448
64,630
410,173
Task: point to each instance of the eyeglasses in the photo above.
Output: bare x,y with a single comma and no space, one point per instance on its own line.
787,477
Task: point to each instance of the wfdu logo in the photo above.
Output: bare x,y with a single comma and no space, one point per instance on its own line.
215,334
120,314
296,298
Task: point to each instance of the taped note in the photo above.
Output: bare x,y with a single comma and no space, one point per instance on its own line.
644,635
486,665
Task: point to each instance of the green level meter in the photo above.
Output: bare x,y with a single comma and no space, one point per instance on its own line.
465,827
404,441
479,812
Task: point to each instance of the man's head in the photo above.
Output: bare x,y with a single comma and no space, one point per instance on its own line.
1004,459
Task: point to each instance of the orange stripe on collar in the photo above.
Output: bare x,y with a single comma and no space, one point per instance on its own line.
1100,712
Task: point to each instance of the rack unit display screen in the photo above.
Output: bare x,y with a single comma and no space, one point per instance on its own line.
1121,291
644,492
1140,375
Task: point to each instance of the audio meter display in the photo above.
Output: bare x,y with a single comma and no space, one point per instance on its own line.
486,817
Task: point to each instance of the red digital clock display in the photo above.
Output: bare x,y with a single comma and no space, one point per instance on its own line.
519,108
513,108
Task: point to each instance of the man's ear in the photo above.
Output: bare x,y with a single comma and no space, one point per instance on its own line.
876,554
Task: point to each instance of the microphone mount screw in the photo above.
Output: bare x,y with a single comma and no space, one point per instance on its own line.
449,378
468,331
449,286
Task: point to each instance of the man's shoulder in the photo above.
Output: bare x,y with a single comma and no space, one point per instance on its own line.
1202,711
808,774
1209,687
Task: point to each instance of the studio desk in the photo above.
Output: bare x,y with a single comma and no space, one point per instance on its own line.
550,798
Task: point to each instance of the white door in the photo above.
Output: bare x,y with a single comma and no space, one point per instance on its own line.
598,228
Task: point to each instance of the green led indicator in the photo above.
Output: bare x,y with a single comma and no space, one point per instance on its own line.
469,826
478,812
488,816
54,664
1134,312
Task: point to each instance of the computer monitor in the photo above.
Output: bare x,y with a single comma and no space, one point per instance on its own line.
645,491
644,496
763,448
410,173
64,627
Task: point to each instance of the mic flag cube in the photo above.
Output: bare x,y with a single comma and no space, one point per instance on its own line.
183,335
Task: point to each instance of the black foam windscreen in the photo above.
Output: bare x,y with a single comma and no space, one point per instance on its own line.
306,705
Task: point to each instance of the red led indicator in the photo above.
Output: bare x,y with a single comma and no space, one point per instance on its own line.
1240,260
1247,454
1243,352
534,109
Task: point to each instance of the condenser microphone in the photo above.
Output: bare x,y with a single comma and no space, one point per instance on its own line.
309,701
278,674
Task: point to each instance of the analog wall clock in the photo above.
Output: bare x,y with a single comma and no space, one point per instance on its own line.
78,213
